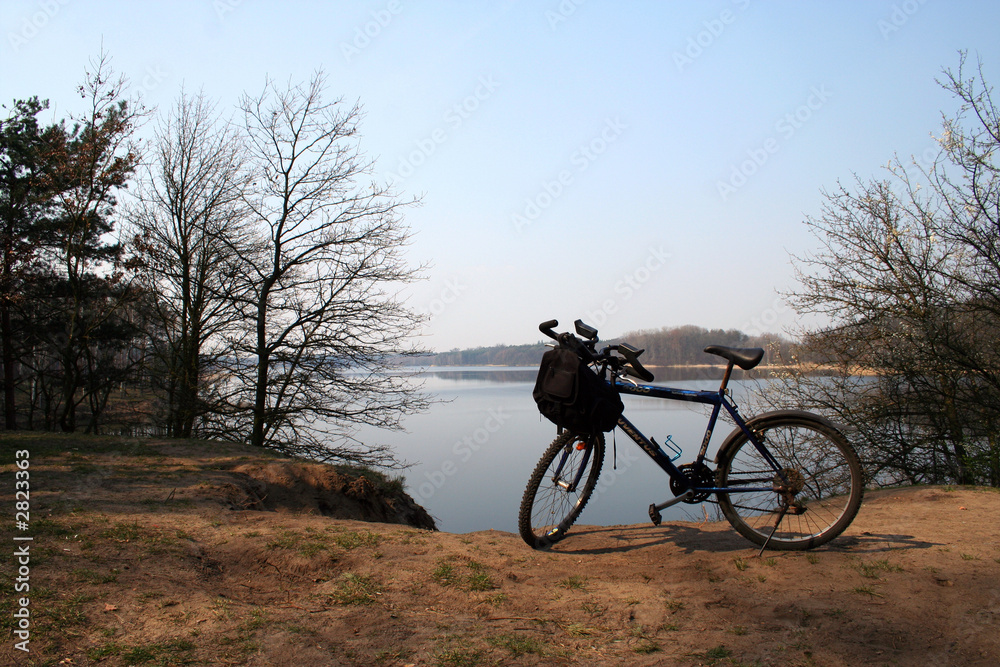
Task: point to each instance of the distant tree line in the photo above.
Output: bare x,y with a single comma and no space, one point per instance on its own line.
668,346
228,278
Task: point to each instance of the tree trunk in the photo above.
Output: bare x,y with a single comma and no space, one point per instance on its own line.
9,377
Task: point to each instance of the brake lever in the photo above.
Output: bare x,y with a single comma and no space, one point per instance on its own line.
629,380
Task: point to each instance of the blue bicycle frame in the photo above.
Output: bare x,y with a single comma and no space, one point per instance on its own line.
717,399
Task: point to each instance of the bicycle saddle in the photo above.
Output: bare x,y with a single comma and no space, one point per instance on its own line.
744,357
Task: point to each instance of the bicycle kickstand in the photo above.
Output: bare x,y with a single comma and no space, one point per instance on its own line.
777,522
654,510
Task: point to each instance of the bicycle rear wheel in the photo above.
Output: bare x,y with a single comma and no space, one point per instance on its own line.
559,488
812,502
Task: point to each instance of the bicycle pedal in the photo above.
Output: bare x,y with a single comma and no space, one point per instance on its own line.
654,515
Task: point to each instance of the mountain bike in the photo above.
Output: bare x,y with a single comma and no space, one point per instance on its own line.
785,480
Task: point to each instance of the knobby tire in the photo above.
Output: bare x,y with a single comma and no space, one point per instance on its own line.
548,508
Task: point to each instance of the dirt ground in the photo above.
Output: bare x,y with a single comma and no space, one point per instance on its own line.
138,558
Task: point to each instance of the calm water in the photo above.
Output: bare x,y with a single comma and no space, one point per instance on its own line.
473,452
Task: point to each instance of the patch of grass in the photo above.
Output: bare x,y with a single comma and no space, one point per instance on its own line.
447,573
460,657
356,589
353,539
47,526
97,653
123,532
497,600
873,569
594,609
673,605
738,630
646,646
770,562
62,615
395,657
90,577
867,590
254,622
171,652
580,630
480,581
303,545
573,583
714,654
969,557
517,644
222,608
812,558
741,563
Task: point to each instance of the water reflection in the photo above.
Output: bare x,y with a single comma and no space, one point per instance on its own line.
518,374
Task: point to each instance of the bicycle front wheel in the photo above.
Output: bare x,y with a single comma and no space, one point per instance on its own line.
559,488
813,499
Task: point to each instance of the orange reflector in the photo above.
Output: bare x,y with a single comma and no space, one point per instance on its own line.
581,446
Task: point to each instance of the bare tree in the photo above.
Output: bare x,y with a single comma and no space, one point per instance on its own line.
907,276
189,224
323,322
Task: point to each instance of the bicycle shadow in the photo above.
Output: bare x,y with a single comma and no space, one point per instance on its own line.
874,542
694,538
592,540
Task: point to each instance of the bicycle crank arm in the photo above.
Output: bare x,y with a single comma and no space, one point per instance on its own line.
654,510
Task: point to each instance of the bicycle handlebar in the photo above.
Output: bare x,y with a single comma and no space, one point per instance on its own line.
546,328
585,350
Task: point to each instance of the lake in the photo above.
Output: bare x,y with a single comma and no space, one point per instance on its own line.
472,453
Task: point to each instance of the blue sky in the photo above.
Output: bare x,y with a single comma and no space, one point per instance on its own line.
637,164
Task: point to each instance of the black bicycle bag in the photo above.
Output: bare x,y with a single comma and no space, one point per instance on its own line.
572,396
